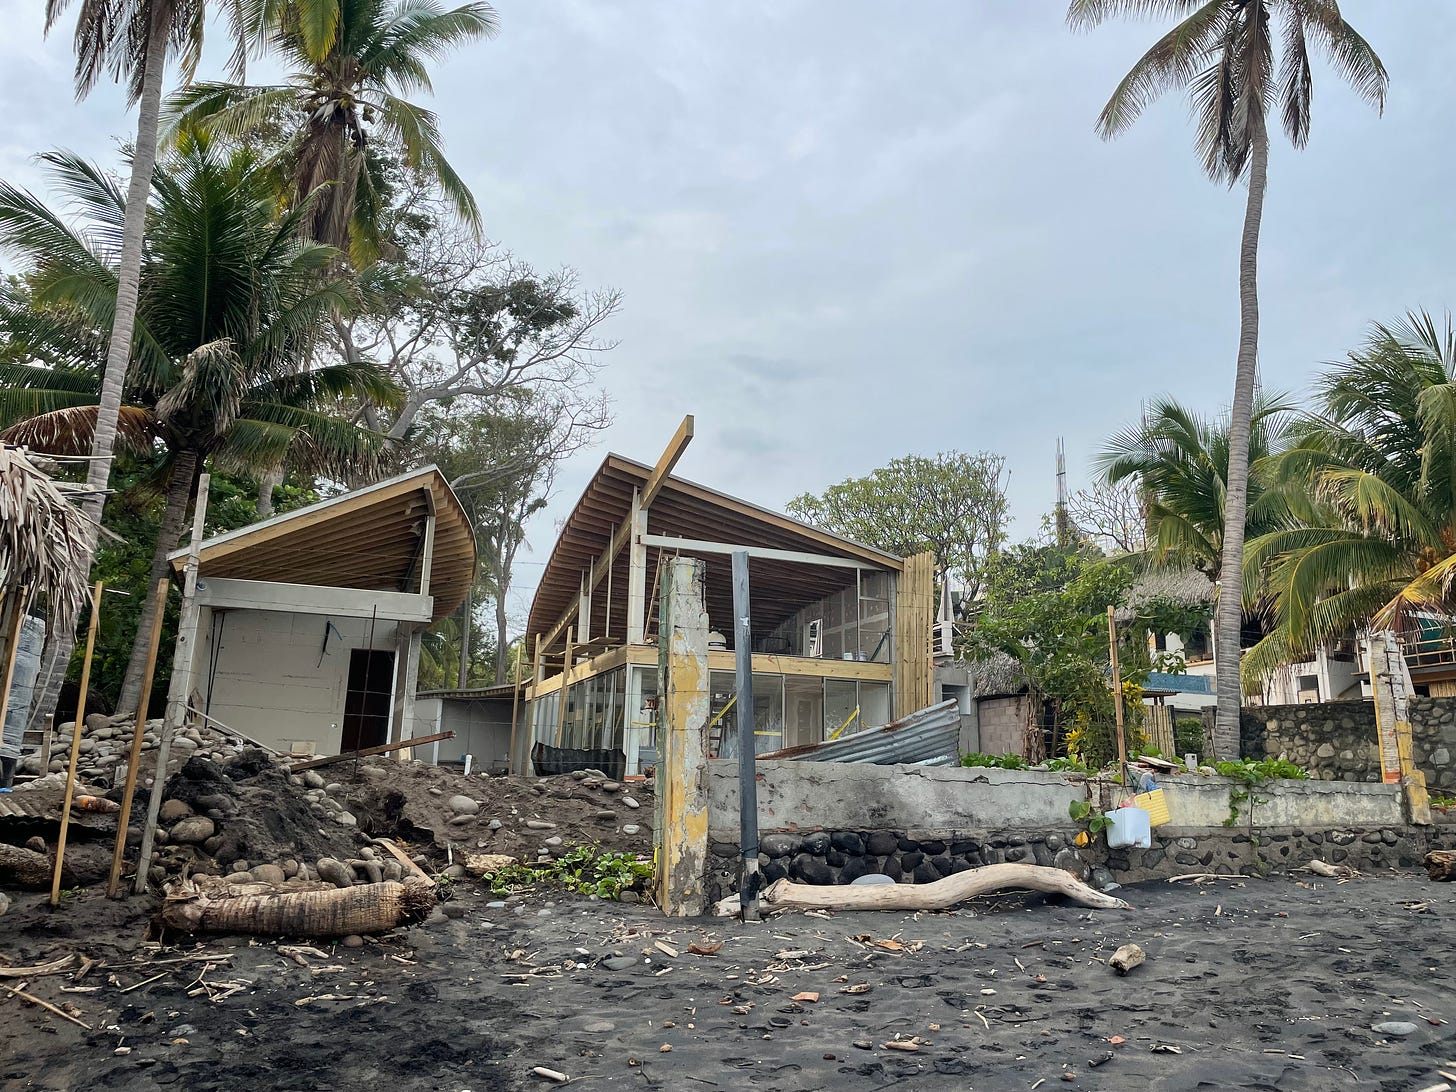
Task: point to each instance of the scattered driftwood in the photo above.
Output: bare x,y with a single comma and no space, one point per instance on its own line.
404,859
1200,877
339,912
1126,958
1330,871
939,895
38,970
1441,864
45,1005
25,868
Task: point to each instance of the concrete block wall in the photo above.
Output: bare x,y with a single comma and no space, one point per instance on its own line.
1336,741
274,680
1002,723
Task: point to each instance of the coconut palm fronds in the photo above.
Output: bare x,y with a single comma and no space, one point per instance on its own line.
43,544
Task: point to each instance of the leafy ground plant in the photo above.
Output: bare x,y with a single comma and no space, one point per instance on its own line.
995,762
583,869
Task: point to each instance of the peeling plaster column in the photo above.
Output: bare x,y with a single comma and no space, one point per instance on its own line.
682,735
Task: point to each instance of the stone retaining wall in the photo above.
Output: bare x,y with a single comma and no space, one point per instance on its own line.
1336,740
827,823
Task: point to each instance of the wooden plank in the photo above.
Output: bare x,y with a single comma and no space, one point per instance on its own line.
383,748
235,594
692,545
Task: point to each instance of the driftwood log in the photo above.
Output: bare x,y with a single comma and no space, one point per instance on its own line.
1126,958
335,912
939,895
1441,864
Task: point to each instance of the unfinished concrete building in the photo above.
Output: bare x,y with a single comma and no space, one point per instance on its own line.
841,631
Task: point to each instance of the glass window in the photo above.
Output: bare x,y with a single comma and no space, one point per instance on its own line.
841,702
768,713
803,710
874,704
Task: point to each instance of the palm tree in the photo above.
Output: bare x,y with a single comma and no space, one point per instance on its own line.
1376,471
129,40
352,61
1179,461
230,298
1222,53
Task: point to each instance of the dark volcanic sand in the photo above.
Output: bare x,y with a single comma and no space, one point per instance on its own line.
1238,989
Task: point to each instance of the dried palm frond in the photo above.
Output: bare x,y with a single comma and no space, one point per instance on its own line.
43,544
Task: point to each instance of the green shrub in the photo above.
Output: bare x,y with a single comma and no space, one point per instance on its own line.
996,762
582,869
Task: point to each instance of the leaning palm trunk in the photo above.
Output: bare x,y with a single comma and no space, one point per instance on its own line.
118,354
179,492
1229,616
339,912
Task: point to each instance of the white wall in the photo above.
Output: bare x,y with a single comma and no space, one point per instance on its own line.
270,682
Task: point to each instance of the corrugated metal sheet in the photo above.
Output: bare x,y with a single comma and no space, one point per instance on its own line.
40,802
929,737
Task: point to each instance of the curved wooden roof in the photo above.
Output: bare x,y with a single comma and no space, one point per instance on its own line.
370,538
686,509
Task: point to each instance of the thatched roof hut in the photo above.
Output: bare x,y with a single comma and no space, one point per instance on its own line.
44,547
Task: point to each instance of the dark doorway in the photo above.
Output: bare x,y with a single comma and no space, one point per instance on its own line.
367,704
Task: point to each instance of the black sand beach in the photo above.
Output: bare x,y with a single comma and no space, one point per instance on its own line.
1269,984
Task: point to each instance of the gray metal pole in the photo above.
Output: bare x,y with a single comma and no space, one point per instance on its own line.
747,783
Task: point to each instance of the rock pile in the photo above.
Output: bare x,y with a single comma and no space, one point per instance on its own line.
106,743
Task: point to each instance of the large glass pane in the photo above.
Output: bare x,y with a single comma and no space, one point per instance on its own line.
841,702
803,710
640,732
874,617
722,720
768,713
874,704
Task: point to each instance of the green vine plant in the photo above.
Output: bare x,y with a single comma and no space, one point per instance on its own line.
1250,773
1082,812
581,869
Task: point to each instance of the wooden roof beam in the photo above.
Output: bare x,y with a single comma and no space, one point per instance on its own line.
655,481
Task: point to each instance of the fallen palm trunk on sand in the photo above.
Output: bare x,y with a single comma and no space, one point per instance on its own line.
939,895
333,912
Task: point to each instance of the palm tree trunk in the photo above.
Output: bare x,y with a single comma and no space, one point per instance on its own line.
266,484
174,515
462,676
118,353
1231,568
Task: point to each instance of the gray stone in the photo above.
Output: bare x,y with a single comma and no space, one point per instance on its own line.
870,878
182,1030
807,868
346,818
1325,750
335,872
778,845
598,1027
817,843
631,828
1399,1028
463,805
629,802
313,779
619,963
353,940
539,824
629,896
1053,842
269,873
192,830
494,824
173,810
882,843
553,841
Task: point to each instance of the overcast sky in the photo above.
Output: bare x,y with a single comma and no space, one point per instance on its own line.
846,231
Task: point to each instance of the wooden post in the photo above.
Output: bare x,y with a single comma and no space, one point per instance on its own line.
515,707
682,741
636,572
747,749
134,758
1117,693
76,742
179,691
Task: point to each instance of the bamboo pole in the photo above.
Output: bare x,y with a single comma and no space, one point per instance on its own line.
76,742
133,762
179,689
1117,693
515,704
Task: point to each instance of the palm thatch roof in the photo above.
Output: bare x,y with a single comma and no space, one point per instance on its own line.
1184,587
998,675
44,547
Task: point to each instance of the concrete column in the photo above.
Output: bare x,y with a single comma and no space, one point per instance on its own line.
682,738
406,680
637,573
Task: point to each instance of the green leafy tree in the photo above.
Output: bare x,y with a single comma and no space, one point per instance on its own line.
230,299
1045,606
1223,54
1372,480
352,62
953,504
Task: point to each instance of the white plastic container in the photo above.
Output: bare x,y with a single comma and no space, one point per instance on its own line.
1130,827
